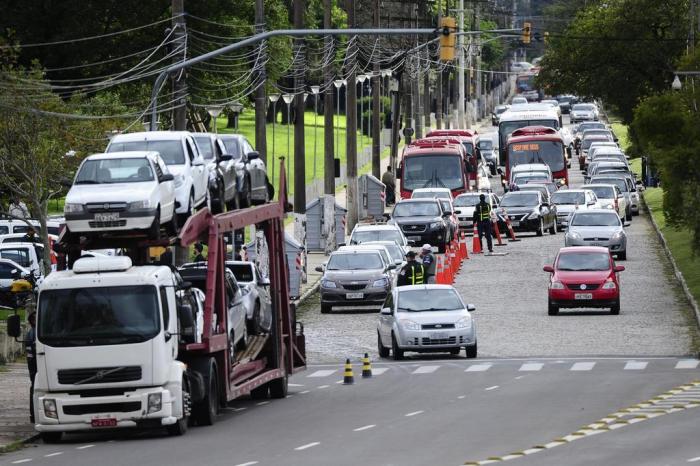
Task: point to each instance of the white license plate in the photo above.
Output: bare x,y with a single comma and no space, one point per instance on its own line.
515,223
107,217
438,336
354,295
413,238
595,244
583,295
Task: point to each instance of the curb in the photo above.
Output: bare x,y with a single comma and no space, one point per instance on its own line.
677,272
308,293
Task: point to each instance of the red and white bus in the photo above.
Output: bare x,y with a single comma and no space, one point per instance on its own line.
433,164
537,144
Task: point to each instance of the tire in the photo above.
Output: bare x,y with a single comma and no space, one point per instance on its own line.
279,387
205,412
254,326
51,437
553,228
243,344
540,229
326,308
173,228
180,427
217,204
628,216
381,349
260,393
154,231
455,351
231,347
615,308
245,200
552,310
622,256
471,351
190,211
396,351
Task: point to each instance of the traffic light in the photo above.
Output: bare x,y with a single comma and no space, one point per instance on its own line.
527,29
448,26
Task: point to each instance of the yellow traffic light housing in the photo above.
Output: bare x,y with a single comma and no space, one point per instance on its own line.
448,26
527,30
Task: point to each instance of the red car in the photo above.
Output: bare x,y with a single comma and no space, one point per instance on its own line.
584,277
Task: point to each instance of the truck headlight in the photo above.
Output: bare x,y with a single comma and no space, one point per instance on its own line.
409,324
381,283
328,284
155,402
50,410
145,204
464,322
71,208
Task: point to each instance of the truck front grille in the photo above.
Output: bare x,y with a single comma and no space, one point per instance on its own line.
99,375
127,407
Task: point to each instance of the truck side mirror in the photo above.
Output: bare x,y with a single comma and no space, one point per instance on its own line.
14,327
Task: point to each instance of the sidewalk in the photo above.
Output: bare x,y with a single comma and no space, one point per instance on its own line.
14,399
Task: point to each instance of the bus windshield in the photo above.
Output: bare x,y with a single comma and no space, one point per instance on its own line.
547,152
433,171
505,128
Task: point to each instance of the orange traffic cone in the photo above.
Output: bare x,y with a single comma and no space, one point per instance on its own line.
464,245
498,234
511,233
456,260
448,268
476,242
439,271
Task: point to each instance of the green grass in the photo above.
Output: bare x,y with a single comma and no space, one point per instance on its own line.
678,240
5,313
56,205
621,132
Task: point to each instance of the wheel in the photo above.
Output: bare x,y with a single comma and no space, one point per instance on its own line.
244,198
154,231
279,387
471,351
552,310
190,211
174,228
326,308
231,347
51,437
216,203
622,256
381,349
243,344
253,325
553,228
455,351
615,308
260,393
540,229
180,427
398,352
206,410
628,216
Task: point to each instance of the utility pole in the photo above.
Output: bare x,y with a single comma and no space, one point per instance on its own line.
438,99
179,79
415,88
376,124
477,59
394,86
427,103
462,121
299,140
328,99
351,124
260,94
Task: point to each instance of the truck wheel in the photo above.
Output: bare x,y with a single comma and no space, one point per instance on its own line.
51,437
173,228
180,427
206,411
279,387
260,393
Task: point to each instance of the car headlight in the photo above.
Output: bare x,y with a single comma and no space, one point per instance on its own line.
464,322
555,285
50,410
609,285
381,283
145,204
71,208
573,234
409,324
535,214
617,235
435,225
155,402
328,284
179,180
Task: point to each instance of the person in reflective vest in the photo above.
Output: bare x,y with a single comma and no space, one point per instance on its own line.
482,218
413,273
428,260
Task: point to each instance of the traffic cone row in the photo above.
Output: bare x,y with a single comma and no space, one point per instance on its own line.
348,375
498,234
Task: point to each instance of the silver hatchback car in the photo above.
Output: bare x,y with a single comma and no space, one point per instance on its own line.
597,227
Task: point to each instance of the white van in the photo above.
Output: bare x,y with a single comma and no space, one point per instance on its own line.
28,255
10,226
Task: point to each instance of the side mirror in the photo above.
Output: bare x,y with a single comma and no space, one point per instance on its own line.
619,268
398,262
253,155
184,286
198,162
225,157
471,308
342,244
66,183
411,243
391,266
318,268
166,177
16,274
14,327
548,268
386,311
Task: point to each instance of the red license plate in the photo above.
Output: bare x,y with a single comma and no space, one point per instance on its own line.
108,422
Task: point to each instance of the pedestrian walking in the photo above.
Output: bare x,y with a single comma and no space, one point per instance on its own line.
389,181
482,218
428,261
18,209
413,273
198,256
30,351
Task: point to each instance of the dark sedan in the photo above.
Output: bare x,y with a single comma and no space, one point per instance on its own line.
423,221
529,211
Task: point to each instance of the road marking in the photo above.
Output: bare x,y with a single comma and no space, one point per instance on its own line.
687,364
519,377
295,385
582,366
636,365
461,397
235,410
84,447
322,386
308,445
360,429
262,403
25,460
531,366
305,392
53,454
492,388
425,370
379,370
249,463
414,413
478,368
323,373
693,460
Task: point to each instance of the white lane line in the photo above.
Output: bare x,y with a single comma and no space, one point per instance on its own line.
379,370
414,413
85,447
236,410
582,366
425,370
360,429
519,377
262,403
461,397
295,385
636,365
25,460
53,454
308,445
687,364
323,386
249,463
478,368
323,373
693,460
305,392
491,388
531,366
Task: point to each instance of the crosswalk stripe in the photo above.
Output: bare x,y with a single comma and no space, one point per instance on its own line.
531,366
478,368
687,364
379,370
635,365
323,373
425,370
582,366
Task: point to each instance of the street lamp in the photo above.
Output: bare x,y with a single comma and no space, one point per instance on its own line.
361,79
288,98
338,83
236,109
315,90
274,98
214,111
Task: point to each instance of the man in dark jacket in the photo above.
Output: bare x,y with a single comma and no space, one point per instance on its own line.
428,260
413,273
30,350
482,218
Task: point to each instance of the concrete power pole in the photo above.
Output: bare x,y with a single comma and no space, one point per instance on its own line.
328,99
461,99
179,79
351,125
376,116
477,61
260,93
299,140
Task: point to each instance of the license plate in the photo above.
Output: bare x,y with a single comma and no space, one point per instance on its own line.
354,295
438,336
104,422
583,295
596,244
515,223
107,217
413,238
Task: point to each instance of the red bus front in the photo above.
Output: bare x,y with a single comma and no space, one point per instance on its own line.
549,151
432,169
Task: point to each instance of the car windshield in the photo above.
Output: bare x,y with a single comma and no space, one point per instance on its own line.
436,171
486,144
568,198
595,219
603,192
205,147
115,171
364,236
427,300
232,147
242,272
171,152
550,153
520,200
529,187
500,110
365,261
596,132
587,261
466,201
412,209
586,144
620,183
583,107
89,316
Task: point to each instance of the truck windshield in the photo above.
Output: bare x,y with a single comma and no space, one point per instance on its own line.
433,171
98,316
547,152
